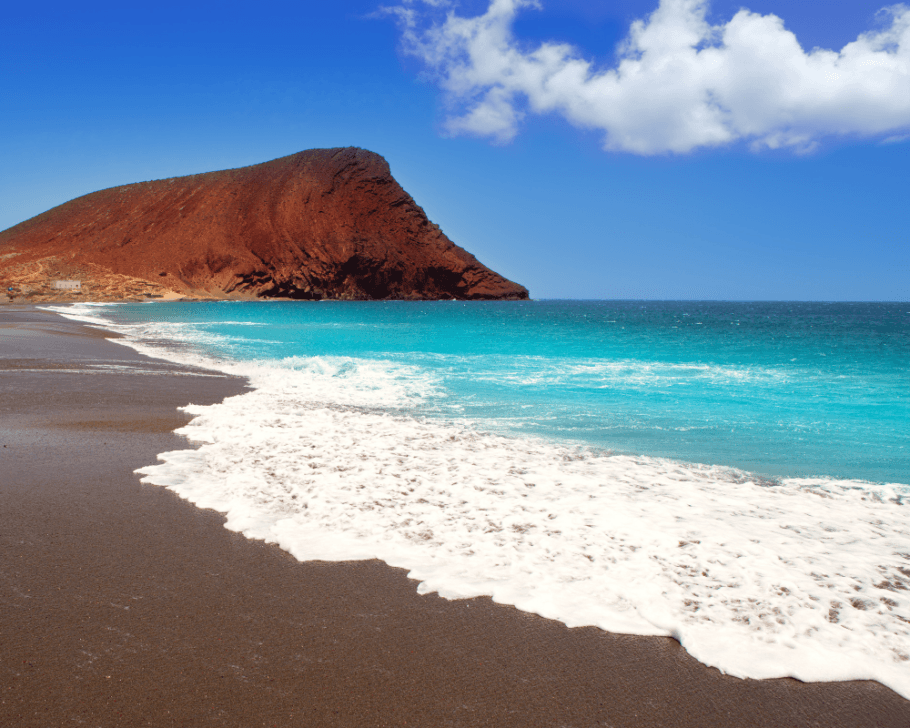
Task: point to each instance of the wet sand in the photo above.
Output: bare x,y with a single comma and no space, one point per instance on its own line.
121,604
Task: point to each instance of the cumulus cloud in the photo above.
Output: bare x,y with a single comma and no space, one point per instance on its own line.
679,82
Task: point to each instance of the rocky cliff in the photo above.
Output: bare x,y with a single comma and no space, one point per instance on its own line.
325,223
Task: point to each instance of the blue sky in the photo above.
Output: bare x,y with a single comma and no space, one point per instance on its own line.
551,141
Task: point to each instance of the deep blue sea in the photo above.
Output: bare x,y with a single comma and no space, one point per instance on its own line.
731,474
792,389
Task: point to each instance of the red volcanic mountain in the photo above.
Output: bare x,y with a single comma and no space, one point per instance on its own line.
325,223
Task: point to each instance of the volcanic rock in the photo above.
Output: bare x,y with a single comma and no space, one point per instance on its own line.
324,223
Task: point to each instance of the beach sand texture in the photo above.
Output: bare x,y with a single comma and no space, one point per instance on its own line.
120,604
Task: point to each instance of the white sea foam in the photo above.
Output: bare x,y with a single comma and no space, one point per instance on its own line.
801,577
613,374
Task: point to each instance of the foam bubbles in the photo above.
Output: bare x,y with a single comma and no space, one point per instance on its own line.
760,579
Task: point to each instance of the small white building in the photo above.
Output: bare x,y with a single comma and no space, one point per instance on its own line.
68,285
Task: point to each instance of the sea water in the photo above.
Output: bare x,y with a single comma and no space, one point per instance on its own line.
733,475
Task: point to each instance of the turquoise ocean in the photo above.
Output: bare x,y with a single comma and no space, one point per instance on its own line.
734,475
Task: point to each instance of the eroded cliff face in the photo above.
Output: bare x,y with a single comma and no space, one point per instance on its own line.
325,223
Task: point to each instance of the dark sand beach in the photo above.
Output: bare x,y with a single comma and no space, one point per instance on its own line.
122,605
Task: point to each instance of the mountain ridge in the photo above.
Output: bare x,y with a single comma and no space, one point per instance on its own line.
322,223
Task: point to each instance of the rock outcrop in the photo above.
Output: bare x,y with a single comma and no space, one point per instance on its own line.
324,223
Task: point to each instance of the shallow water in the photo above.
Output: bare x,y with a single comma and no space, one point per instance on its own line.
732,475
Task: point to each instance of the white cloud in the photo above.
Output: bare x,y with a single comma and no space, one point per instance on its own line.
679,83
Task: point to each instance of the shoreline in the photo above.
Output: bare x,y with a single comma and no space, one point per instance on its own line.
125,605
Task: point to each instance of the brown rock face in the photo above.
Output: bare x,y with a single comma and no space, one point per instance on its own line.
325,223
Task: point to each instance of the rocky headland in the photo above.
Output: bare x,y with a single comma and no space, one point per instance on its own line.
324,223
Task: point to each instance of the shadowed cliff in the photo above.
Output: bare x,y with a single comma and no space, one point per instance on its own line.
324,223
